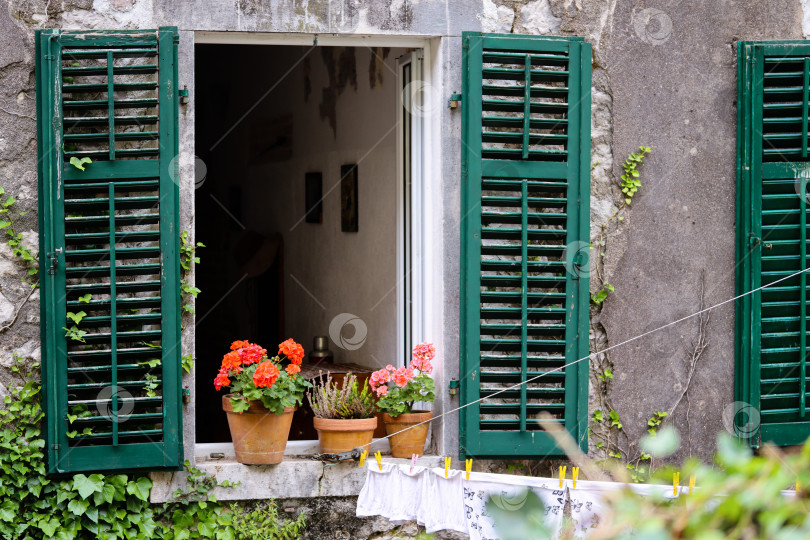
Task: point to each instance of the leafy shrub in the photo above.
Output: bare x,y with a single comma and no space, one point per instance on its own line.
107,507
263,523
345,402
741,497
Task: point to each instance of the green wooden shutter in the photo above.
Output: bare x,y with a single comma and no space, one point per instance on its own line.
525,237
111,232
772,174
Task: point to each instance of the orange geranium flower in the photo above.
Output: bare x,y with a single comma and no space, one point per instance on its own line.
292,350
221,380
292,369
265,375
238,344
232,362
252,354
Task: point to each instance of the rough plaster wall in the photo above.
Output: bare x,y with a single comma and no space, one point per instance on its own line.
18,159
680,101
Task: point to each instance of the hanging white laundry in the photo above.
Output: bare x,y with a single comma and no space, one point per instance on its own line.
423,495
407,505
378,495
588,505
509,493
442,501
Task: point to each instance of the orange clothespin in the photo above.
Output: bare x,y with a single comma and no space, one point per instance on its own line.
378,455
691,483
676,479
363,457
468,467
575,475
447,467
562,475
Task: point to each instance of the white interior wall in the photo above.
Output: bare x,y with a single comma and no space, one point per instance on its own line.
329,272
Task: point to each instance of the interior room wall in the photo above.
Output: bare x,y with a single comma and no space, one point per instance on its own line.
330,107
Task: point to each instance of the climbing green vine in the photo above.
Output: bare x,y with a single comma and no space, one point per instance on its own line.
15,239
188,258
108,507
611,433
631,180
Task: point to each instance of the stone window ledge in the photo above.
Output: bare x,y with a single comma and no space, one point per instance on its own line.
298,476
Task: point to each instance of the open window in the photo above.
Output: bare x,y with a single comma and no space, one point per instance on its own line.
306,208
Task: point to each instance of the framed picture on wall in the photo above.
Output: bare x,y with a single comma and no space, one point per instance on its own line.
348,198
314,197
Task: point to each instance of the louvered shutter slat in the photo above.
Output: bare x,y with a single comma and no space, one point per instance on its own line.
525,187
771,370
110,231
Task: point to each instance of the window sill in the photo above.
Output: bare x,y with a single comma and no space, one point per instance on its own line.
298,476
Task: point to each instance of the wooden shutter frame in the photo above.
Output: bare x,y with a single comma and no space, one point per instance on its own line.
168,453
577,173
752,169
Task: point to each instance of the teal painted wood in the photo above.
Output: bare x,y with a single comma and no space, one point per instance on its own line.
148,435
514,289
772,176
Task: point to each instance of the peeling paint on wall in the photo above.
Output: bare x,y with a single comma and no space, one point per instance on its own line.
341,73
376,66
307,69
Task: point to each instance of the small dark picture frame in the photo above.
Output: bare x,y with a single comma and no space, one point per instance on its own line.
348,198
314,197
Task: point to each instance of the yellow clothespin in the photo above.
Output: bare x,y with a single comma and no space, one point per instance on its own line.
562,475
575,475
691,483
468,467
676,479
363,457
798,487
447,467
378,455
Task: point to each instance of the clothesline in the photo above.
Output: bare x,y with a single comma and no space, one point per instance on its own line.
451,499
611,347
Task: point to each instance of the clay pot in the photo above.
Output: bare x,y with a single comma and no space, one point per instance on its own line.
343,435
259,436
411,441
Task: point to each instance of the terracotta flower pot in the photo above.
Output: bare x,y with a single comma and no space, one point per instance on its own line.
412,441
259,436
342,435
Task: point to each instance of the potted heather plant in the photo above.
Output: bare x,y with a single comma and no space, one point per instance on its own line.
264,393
398,390
344,414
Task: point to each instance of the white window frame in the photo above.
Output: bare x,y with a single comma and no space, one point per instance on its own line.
425,164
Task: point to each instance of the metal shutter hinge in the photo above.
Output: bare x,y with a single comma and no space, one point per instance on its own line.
54,257
455,100
183,95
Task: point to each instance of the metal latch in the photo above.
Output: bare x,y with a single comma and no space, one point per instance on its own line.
184,95
454,386
353,455
54,257
455,100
